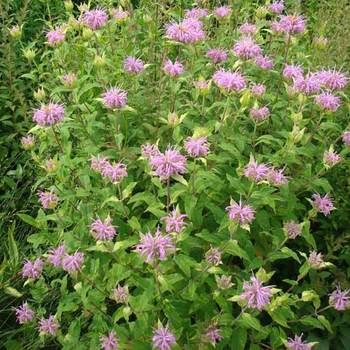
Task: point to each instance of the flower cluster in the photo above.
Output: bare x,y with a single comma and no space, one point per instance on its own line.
114,172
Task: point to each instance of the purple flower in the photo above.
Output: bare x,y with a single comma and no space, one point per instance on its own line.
48,325
174,221
255,171
229,81
133,65
120,15
196,13
323,204
258,89
242,214
328,101
291,71
213,256
276,27
190,30
28,142
103,230
55,255
115,98
308,85
332,79
73,263
69,79
339,299
197,147
95,19
109,342
224,282
121,294
259,114
48,200
298,344
276,7
32,269
292,24
169,163
162,338
248,28
263,62
255,294
315,259
114,172
148,151
24,313
246,48
212,335
98,163
155,247
346,138
222,12
173,69
292,229
331,158
217,55
56,36
276,177
49,114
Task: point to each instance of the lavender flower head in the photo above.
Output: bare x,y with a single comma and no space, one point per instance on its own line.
293,24
315,259
28,142
212,335
332,79
246,48
328,101
291,71
56,255
133,65
331,158
276,27
197,147
55,36
49,114
48,200
188,31
339,299
120,15
263,62
103,230
121,294
174,221
259,114
95,19
162,338
258,89
115,98
213,256
173,69
73,263
255,294
69,79
242,214
229,81
169,163
24,313
155,247
248,28
109,342
292,229
98,163
32,269
224,282
217,55
114,172
277,7
148,151
276,177
309,84
48,325
201,84
255,171
196,13
298,344
323,204
346,138
222,12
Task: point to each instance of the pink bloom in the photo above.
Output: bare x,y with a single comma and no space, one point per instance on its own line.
259,114
248,28
24,313
148,151
222,12
48,200
190,30
323,204
133,65
103,230
169,163
315,259
115,98
28,142
98,163
331,158
246,48
212,335
242,214
73,263
213,256
328,101
230,81
120,15
276,27
174,221
292,229
346,138
173,69
114,172
217,55
162,338
308,85
263,62
32,269
55,255
196,13
197,147
255,294
332,79
201,84
298,344
49,114
293,24
48,325
95,19
276,7
56,36
255,171
339,299
155,247
121,294
109,342
291,71
276,177
258,89
69,79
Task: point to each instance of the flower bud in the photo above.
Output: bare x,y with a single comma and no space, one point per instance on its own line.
320,42
87,34
40,94
50,166
173,119
261,12
68,5
29,54
28,142
99,61
15,32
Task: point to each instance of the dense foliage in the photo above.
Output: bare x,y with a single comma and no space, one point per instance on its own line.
190,182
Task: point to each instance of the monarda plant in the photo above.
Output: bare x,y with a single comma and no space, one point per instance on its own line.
184,161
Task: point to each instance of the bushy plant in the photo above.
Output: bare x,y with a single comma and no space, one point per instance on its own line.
183,163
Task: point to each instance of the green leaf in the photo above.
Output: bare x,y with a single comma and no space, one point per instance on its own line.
234,249
185,263
248,321
238,338
28,219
